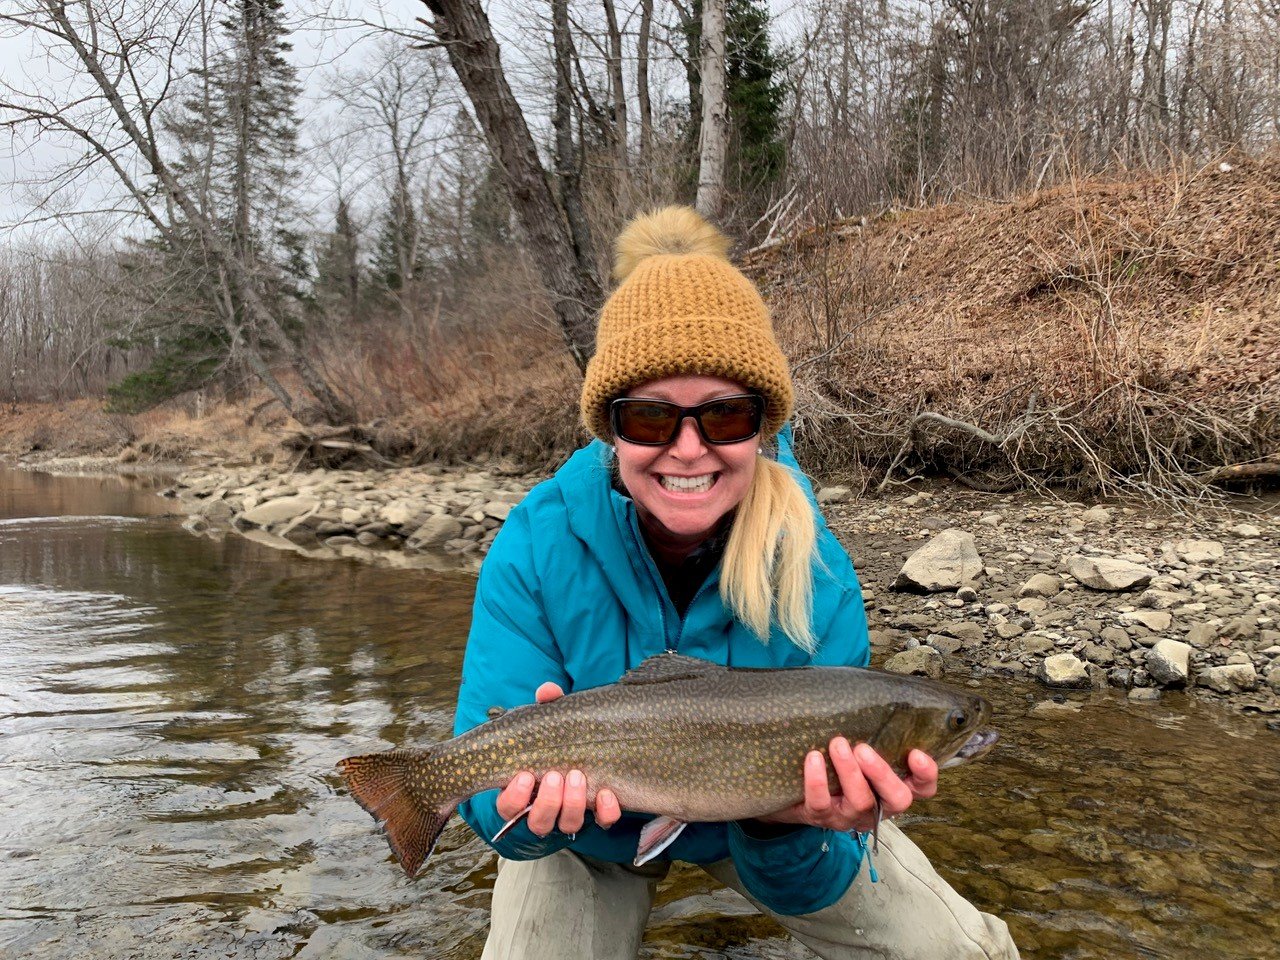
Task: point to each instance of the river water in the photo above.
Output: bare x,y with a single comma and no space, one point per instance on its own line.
172,706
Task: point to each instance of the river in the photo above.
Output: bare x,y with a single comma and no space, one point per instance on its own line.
172,706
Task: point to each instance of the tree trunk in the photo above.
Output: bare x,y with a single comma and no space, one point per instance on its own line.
713,143
464,31
618,91
568,166
642,83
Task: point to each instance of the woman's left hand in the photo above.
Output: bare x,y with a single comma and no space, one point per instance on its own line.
864,775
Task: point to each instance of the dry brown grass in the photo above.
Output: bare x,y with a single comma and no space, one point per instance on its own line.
1105,334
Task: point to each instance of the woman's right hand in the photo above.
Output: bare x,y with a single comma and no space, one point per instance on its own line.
561,801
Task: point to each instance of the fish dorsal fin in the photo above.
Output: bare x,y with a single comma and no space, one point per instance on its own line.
669,666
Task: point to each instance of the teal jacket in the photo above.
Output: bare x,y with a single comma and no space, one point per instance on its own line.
570,594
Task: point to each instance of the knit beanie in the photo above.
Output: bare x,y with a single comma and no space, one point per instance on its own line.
681,307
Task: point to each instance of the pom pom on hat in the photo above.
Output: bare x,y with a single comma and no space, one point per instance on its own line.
671,230
682,308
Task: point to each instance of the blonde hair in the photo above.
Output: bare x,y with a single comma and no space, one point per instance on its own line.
767,568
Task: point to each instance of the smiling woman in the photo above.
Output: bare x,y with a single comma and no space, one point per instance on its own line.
687,526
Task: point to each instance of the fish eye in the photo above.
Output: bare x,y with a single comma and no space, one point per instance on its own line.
957,719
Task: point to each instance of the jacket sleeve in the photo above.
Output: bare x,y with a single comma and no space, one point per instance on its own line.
510,652
804,869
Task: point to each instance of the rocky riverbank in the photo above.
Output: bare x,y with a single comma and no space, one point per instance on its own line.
955,582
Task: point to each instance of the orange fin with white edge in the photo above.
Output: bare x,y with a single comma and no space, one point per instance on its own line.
379,782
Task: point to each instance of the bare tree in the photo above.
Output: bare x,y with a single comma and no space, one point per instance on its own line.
463,29
714,138
129,56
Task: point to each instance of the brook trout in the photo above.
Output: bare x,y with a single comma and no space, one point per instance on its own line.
685,739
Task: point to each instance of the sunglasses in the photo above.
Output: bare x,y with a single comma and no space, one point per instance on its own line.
655,423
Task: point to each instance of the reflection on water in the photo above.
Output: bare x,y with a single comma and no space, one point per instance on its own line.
171,708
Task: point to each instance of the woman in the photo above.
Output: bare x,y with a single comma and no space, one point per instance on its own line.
687,526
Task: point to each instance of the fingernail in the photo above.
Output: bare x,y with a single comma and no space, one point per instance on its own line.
865,752
552,779
841,746
524,781
575,778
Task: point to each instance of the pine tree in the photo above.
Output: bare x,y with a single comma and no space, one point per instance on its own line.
339,274
236,135
398,255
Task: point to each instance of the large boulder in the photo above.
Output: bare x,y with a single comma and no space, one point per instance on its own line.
435,532
944,563
1041,585
280,510
1063,670
1109,573
1231,678
1199,551
923,661
1169,663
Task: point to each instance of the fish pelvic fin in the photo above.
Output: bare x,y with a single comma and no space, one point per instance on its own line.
380,782
656,836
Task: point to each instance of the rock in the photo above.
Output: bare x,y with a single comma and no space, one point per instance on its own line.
353,517
1231,678
1273,678
971,633
944,563
1120,677
923,661
1062,670
367,538
280,510
195,524
1035,646
1199,551
1246,530
1041,585
834,494
497,509
1032,605
434,532
341,540
1157,620
1109,573
1202,635
947,646
1096,516
1097,653
967,595
1048,708
1168,662
404,513
1161,599
1007,631
1144,694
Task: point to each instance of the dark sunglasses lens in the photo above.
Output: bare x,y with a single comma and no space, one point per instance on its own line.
728,421
646,421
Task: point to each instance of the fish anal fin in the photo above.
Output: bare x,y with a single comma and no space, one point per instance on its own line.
656,836
669,666
380,783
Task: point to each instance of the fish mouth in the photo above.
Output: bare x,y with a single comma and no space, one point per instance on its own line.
977,746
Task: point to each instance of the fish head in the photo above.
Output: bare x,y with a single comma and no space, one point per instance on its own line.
947,724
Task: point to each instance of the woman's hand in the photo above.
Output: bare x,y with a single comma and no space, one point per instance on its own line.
864,775
560,801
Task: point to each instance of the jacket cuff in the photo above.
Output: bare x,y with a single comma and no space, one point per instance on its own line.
798,872
518,843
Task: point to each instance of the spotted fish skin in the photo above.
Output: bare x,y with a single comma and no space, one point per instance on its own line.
676,736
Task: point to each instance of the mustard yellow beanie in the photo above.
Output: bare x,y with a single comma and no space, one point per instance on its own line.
681,307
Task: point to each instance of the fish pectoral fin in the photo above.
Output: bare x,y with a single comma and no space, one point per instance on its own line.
506,827
656,836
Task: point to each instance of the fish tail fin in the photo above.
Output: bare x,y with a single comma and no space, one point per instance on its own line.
380,782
